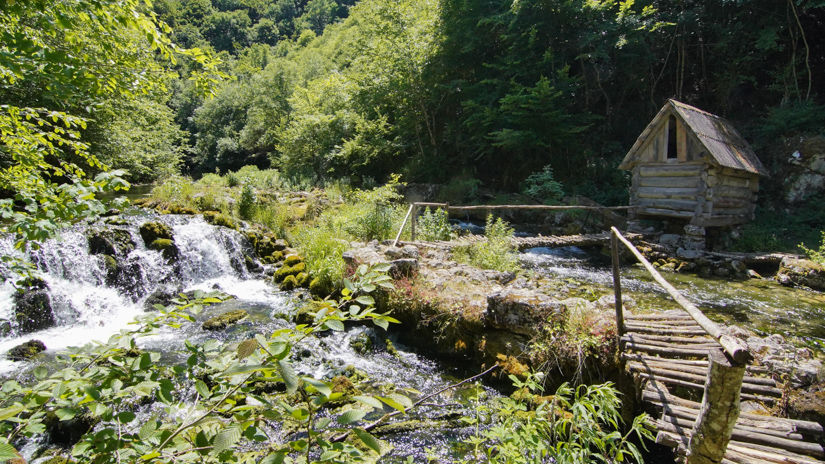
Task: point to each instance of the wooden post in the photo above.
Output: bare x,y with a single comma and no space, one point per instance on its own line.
719,412
414,207
400,230
617,283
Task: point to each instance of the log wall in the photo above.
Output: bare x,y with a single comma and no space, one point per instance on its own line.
709,196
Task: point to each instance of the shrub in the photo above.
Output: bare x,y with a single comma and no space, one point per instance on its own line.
322,250
247,203
433,225
543,186
460,190
817,256
496,253
576,425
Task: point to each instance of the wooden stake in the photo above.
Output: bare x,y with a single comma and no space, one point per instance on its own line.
720,409
617,284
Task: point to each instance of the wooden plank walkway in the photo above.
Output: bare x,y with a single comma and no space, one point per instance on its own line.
667,354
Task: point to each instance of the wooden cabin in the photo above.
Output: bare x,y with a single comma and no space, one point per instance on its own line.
694,166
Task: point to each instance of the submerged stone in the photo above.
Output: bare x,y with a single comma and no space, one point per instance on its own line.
224,320
167,248
33,307
113,242
26,350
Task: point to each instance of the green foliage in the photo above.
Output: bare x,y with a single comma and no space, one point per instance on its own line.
543,185
496,253
61,61
574,426
106,383
817,255
433,225
805,117
460,190
247,203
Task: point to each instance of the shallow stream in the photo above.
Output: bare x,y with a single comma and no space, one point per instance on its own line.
761,305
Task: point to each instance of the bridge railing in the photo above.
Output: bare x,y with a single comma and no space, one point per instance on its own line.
412,211
726,368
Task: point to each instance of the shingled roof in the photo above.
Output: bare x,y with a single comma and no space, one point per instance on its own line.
721,140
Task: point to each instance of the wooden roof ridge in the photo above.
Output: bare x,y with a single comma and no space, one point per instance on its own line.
724,144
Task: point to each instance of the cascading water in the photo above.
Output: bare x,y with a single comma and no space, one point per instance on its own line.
90,304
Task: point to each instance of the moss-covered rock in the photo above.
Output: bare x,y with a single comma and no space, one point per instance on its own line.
801,272
302,279
341,384
320,288
26,350
151,231
176,209
114,242
292,260
33,306
68,432
289,283
219,219
224,320
361,343
285,271
167,247
273,258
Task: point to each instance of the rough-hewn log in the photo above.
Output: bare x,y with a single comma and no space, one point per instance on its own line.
748,385
676,205
673,339
665,212
722,203
735,347
700,371
659,316
666,344
720,409
665,400
671,170
671,182
617,284
693,363
769,453
668,352
729,191
659,330
667,192
686,418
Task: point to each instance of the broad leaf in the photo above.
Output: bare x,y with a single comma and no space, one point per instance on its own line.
226,439
353,415
288,374
368,440
369,401
322,387
246,348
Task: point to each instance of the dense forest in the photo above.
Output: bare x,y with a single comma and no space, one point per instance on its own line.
464,92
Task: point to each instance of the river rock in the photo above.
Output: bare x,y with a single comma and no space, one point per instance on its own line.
224,320
405,267
784,358
753,274
26,350
609,302
669,239
521,311
578,304
151,231
688,254
33,307
166,247
113,242
801,272
738,266
162,296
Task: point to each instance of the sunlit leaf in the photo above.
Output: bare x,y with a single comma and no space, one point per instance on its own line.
353,415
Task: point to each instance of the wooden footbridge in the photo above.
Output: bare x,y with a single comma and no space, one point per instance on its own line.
679,355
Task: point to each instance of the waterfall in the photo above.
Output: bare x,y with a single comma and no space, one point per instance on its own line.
89,306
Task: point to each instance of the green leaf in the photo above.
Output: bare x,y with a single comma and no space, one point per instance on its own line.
368,440
226,439
246,369
335,324
41,372
98,409
322,387
7,452
93,392
353,415
369,401
401,399
365,300
65,414
392,403
125,417
246,348
383,267
381,323
202,389
288,374
80,448
148,430
274,458
329,455
11,412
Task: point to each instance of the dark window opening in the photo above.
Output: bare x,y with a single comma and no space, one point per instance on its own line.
671,138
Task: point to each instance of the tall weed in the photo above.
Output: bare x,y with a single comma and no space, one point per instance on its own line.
496,253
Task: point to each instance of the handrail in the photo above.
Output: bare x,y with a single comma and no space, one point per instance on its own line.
735,348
